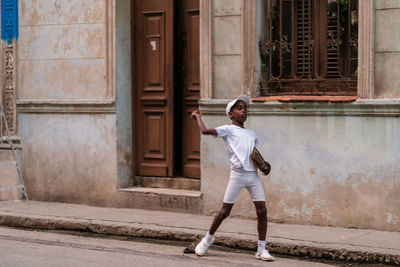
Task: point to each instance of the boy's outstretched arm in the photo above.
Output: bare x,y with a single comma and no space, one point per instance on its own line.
197,116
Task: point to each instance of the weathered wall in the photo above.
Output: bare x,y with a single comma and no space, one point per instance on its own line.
124,98
69,158
387,49
8,173
66,100
226,48
62,50
327,169
332,164
261,33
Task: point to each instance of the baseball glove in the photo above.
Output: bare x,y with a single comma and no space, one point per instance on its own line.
259,162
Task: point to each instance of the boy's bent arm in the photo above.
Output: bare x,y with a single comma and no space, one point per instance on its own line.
203,129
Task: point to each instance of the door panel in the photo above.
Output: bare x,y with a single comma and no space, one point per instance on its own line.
191,86
155,140
153,91
154,58
193,50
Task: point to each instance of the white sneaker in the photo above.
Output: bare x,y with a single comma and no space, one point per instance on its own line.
264,255
202,247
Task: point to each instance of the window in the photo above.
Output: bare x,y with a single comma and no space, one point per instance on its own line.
310,48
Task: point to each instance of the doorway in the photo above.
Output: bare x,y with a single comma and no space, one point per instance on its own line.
166,88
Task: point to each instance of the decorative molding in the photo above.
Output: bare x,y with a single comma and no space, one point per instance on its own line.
9,84
249,48
359,108
71,107
88,105
110,45
206,49
366,41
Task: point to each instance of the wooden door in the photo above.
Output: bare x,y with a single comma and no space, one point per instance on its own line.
189,26
153,119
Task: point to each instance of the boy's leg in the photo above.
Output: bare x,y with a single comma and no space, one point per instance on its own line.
207,241
231,193
220,217
261,211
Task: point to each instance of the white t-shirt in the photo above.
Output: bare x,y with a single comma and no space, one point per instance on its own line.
240,142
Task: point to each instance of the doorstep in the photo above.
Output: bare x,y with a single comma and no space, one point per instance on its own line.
168,182
165,199
163,191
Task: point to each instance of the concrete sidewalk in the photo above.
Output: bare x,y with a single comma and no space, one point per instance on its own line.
297,240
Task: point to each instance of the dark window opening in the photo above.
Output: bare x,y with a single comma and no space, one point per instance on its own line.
311,48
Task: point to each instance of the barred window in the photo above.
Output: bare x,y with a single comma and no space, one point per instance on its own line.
310,48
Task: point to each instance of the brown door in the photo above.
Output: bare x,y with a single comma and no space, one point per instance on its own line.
189,27
153,120
167,87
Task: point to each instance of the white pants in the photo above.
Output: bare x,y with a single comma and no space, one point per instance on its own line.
240,179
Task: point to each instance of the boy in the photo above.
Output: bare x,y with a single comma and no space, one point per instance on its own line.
240,142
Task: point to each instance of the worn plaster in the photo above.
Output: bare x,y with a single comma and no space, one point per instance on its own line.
226,48
67,64
8,174
387,56
47,12
70,158
62,50
326,170
124,97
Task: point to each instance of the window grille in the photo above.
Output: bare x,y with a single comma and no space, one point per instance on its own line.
310,48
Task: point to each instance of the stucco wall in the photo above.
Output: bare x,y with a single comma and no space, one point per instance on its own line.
69,158
387,49
261,33
124,98
327,169
226,47
62,50
66,100
332,164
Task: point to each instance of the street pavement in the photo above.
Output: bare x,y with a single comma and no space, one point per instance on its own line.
332,243
30,248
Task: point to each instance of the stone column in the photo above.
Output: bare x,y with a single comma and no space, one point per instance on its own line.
205,49
8,81
9,175
8,67
366,42
8,86
249,48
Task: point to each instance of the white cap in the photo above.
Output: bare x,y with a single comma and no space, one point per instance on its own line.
243,98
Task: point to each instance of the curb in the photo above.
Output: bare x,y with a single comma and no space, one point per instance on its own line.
189,235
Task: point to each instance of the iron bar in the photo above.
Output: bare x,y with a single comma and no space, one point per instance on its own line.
309,51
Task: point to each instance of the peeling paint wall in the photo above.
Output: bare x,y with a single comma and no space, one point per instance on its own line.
124,98
387,49
226,46
9,174
69,158
67,119
62,50
335,168
326,170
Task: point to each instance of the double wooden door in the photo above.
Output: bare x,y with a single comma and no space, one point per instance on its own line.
167,87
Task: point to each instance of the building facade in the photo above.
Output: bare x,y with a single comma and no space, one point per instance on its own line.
102,91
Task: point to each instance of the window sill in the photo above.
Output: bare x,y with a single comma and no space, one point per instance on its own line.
342,107
298,98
